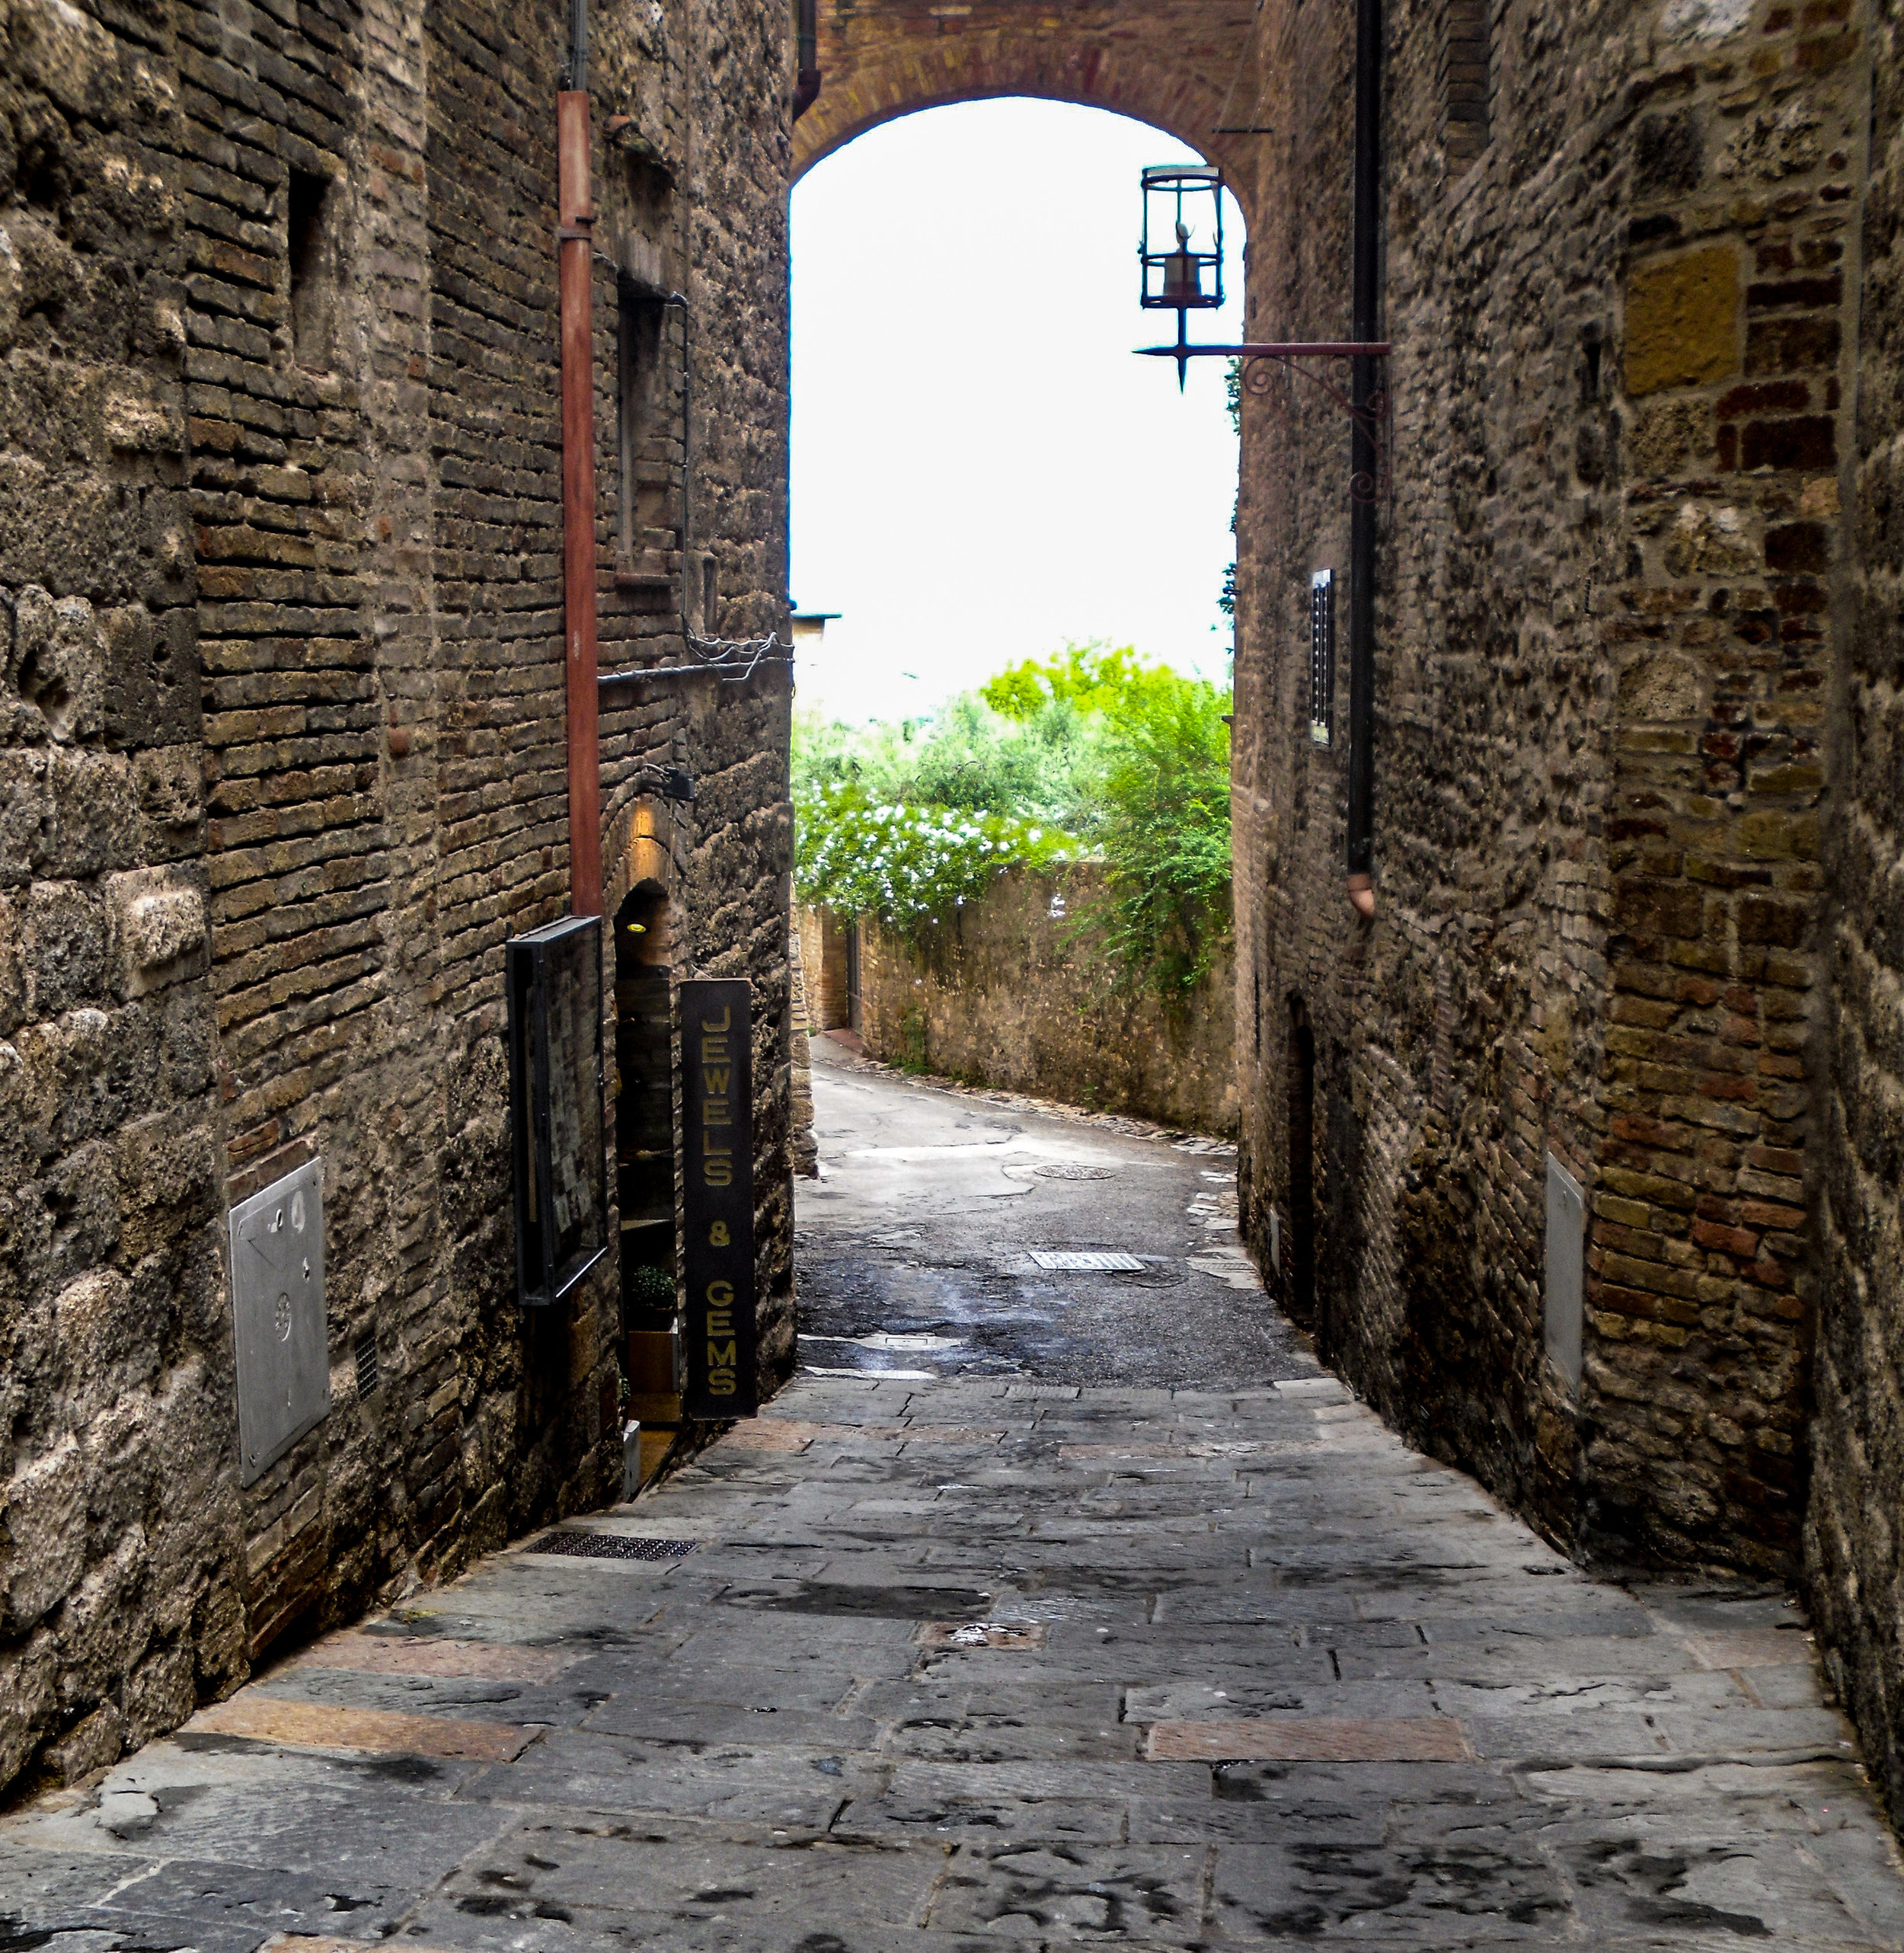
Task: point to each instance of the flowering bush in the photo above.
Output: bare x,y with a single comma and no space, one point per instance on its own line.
910,865
1098,757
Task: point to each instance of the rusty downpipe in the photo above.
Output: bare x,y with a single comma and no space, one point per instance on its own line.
1366,301
575,219
805,57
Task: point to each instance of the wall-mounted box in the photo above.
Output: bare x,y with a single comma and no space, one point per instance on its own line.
553,978
278,1318
1566,1273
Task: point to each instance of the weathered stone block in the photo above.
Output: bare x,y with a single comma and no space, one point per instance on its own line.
57,664
89,1745
95,822
158,927
42,1511
1682,319
26,814
104,1350
160,1693
63,946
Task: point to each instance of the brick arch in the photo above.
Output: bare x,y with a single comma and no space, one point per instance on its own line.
1178,65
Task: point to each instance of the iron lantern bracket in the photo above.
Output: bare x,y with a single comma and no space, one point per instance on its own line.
1315,360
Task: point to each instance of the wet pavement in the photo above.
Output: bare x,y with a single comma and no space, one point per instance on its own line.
917,1247
989,1659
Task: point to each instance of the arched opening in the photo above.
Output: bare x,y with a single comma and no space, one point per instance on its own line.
981,469
985,479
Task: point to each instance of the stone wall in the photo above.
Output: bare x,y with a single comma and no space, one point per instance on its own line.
1006,995
281,729
1622,332
1853,1544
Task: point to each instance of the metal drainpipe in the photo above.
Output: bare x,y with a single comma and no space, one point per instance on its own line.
1363,460
575,219
806,57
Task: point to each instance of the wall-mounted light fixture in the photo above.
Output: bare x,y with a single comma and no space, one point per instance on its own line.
1180,255
1174,278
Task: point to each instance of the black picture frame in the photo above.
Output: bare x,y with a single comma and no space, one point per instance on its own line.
558,1124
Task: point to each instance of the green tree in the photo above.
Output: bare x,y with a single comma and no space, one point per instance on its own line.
1090,754
1162,831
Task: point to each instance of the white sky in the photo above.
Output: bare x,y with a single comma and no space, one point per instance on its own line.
981,469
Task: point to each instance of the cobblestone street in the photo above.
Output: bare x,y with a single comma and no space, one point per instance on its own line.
957,1648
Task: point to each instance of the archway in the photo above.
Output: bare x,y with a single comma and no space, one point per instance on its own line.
1013,390
1185,66
982,471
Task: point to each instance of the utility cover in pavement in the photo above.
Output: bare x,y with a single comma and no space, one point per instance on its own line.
611,1546
1086,1261
1072,1169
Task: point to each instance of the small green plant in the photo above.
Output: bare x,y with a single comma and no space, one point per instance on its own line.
1162,831
653,1287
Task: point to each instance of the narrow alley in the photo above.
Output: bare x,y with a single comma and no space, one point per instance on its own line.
998,1628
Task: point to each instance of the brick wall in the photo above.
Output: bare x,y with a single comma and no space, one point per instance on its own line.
823,937
279,534
1618,301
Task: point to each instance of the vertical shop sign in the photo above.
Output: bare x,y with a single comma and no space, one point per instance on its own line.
717,1203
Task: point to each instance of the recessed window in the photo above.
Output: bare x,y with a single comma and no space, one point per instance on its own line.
311,223
644,487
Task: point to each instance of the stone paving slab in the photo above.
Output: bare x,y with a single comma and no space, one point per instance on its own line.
762,1760
760,1749
977,1664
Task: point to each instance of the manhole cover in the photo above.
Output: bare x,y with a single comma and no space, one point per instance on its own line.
611,1546
1086,1261
1072,1169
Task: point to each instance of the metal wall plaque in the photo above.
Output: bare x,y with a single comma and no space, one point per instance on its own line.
277,1317
557,1131
717,1195
1566,1272
1322,656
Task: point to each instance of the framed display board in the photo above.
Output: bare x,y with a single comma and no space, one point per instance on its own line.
717,1197
553,981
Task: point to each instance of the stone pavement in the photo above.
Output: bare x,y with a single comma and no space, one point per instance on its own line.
978,1661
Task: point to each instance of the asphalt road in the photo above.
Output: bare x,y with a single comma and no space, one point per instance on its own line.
917,1244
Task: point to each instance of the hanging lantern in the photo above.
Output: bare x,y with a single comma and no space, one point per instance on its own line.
1181,253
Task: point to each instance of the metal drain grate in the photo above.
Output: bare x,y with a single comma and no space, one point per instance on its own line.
611,1546
1072,1169
369,1375
1086,1261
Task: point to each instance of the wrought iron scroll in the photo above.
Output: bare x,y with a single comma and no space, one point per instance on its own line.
1316,364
